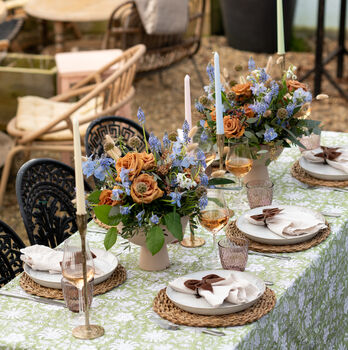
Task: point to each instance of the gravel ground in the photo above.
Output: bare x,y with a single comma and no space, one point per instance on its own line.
163,101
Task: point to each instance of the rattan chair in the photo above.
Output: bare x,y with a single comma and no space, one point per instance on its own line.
42,124
10,262
115,127
162,51
45,189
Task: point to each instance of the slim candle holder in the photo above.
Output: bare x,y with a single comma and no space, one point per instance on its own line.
86,331
220,140
193,241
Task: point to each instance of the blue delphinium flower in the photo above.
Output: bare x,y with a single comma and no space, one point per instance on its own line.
259,107
186,129
199,107
155,143
290,109
187,161
125,180
301,95
125,210
202,202
263,76
140,217
202,123
204,137
176,150
204,180
200,156
270,135
258,89
116,194
103,164
272,93
176,197
165,140
141,116
251,64
88,166
154,219
210,72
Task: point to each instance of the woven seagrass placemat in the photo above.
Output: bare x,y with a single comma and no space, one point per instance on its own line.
31,287
233,231
164,307
101,224
298,173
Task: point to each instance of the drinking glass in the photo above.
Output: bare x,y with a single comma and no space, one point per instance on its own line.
259,193
72,266
233,253
215,215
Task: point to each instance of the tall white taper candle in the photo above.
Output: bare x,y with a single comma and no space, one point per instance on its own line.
188,116
218,102
80,188
280,28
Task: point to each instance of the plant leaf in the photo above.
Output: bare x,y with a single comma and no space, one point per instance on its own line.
252,120
102,213
94,197
173,223
154,239
110,238
220,181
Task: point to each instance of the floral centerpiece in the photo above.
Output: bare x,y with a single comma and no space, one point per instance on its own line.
259,110
150,191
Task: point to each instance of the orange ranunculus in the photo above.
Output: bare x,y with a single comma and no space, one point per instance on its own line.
132,161
105,198
248,111
233,127
213,115
293,85
149,160
151,192
242,91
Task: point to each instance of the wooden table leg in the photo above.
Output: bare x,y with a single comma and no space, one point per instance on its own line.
59,36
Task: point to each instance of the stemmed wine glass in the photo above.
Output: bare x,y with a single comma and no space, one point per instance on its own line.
239,162
215,216
72,267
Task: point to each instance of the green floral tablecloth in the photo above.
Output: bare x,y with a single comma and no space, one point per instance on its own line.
311,288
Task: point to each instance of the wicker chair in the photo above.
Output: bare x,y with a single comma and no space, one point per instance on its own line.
45,189
10,262
115,127
162,51
43,124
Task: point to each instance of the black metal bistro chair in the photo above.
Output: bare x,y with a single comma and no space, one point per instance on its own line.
45,189
10,245
115,127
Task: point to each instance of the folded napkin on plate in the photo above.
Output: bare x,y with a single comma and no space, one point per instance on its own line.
215,289
288,221
334,156
43,258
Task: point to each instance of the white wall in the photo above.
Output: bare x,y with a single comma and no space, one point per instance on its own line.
307,11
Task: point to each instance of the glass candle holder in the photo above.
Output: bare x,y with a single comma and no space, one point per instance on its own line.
71,295
233,253
259,193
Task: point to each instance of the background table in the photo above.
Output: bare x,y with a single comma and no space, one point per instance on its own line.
311,291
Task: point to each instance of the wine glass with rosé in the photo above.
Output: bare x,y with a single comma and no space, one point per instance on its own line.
215,216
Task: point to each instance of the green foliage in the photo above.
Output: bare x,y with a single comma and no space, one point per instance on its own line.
110,238
154,239
94,197
173,222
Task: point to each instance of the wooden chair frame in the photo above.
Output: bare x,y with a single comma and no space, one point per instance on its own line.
113,92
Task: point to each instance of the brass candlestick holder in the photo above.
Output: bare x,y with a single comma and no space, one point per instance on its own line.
193,241
220,140
87,331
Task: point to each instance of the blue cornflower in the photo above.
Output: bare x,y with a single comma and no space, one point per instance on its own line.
263,75
200,156
187,161
125,210
202,202
251,64
210,72
259,108
199,107
154,219
176,197
204,180
258,89
165,140
202,123
204,136
270,135
141,116
290,109
116,194
103,165
155,143
140,217
88,166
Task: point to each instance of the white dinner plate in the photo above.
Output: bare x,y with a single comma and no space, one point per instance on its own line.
322,171
190,303
104,261
263,235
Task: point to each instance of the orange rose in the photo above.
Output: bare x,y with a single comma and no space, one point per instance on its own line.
248,111
213,115
145,189
293,85
132,161
149,160
242,91
105,198
233,127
